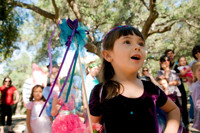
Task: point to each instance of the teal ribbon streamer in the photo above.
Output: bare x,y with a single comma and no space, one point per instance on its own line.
70,30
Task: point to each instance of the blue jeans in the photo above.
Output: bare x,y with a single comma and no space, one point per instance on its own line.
191,111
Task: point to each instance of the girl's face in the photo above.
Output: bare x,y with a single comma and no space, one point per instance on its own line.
197,73
128,54
164,84
182,61
37,93
7,82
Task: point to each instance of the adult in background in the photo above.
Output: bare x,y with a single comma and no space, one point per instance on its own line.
7,100
174,66
147,76
170,75
171,55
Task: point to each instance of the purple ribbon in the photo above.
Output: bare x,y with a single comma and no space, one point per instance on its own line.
73,25
49,49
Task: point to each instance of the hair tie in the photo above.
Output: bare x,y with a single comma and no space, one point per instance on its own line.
118,27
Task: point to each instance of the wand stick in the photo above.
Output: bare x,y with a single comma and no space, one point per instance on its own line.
84,94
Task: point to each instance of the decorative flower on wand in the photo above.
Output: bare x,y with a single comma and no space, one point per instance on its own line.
97,128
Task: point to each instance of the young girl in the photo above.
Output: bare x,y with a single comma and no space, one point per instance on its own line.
196,95
185,70
67,121
36,124
124,103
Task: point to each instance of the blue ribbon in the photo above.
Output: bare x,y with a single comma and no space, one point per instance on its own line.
70,30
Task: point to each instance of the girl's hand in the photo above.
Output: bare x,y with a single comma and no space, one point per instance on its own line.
55,106
163,66
188,69
174,83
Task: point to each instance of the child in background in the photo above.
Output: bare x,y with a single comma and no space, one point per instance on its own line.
196,95
124,103
50,81
67,121
164,83
162,118
196,56
36,124
185,70
92,70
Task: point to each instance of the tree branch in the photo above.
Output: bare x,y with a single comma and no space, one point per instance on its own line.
152,17
145,4
75,9
191,24
33,8
56,10
164,29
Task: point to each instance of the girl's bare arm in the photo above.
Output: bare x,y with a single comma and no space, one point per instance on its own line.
28,120
173,116
95,119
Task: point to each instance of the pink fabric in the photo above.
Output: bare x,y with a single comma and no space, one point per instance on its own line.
188,74
71,123
67,123
29,105
38,124
70,105
39,76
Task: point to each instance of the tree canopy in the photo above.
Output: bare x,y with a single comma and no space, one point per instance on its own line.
165,24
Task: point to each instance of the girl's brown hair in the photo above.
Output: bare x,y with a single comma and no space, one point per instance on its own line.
112,88
36,86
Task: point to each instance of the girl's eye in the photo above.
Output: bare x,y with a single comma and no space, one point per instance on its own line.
127,42
141,44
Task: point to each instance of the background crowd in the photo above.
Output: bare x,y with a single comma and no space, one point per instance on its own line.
177,78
